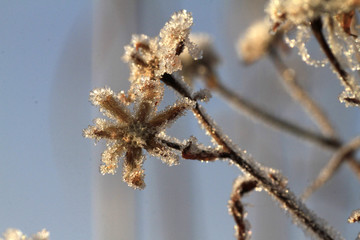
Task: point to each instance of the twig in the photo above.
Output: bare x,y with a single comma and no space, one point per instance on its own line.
257,113
241,187
351,93
339,157
274,121
288,200
316,27
300,95
320,118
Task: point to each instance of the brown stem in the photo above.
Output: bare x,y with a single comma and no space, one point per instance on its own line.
258,113
316,27
241,187
297,209
274,121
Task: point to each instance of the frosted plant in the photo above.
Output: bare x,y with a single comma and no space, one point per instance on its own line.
174,37
128,133
341,46
152,57
15,234
149,59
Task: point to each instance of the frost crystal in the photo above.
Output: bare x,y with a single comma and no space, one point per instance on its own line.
128,133
15,234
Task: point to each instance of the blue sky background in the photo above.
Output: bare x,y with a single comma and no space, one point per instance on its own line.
52,53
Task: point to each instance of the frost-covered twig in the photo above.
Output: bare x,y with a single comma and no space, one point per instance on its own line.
255,44
340,156
287,199
300,95
260,114
206,69
316,27
241,186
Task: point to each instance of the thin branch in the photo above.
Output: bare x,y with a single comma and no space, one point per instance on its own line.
259,114
316,27
339,157
288,201
319,117
241,187
300,95
351,93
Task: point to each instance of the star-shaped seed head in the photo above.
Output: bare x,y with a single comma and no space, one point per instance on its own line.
128,133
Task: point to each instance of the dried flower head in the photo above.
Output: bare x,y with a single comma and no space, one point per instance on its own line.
174,38
129,133
151,57
15,234
142,57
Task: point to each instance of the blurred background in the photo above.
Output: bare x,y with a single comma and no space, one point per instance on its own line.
52,53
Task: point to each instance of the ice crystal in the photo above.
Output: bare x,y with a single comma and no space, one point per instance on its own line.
127,133
302,37
354,216
15,234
